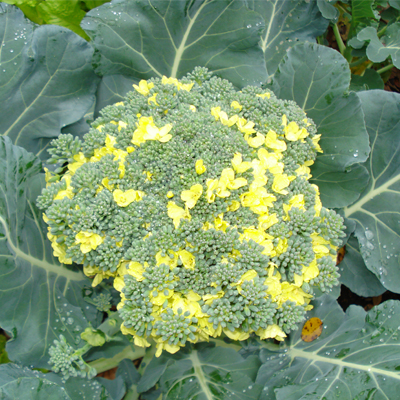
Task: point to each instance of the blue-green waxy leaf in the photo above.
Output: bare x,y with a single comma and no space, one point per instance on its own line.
356,357
46,80
40,298
205,372
370,80
145,39
327,9
377,210
23,383
287,22
112,89
378,50
317,79
355,275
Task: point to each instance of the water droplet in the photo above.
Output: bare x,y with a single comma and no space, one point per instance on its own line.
369,235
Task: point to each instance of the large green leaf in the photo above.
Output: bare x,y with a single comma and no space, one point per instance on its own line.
145,39
379,50
203,372
46,82
112,89
317,79
286,23
40,298
378,208
22,383
355,275
356,357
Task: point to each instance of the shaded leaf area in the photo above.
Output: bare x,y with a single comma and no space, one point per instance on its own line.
68,14
112,89
379,49
286,23
317,79
378,208
23,383
204,372
3,353
355,275
154,38
40,298
370,80
356,357
47,80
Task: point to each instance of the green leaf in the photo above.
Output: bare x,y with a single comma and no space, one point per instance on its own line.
94,337
327,9
23,383
355,275
317,79
40,298
204,372
112,89
377,210
46,83
356,357
63,13
156,38
287,22
378,50
361,9
370,80
94,3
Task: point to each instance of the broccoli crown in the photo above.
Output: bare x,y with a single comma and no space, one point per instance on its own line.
194,197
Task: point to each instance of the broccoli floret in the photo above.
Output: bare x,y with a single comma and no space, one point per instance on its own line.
195,199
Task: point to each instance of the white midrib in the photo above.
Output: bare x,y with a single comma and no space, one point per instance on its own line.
61,271
264,42
200,375
375,192
314,357
181,48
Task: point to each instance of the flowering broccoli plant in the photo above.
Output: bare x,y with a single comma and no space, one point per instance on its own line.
195,199
173,195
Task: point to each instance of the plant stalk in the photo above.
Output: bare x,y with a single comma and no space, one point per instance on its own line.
384,69
339,41
359,61
104,364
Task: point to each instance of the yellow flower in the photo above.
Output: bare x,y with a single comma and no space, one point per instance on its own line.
220,224
80,159
187,258
123,199
237,334
144,87
208,298
256,141
121,125
266,221
264,95
235,205
228,180
272,331
273,282
244,126
192,108
177,213
235,105
296,201
59,251
311,271
270,161
88,240
171,348
215,112
292,130
281,181
68,191
238,165
120,103
152,99
282,246
138,134
293,293
105,183
191,196
136,270
214,187
160,134
161,296
247,276
315,141
200,168
179,85
273,143
223,117
170,194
